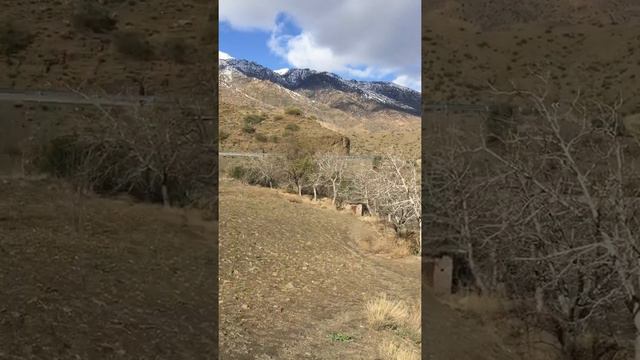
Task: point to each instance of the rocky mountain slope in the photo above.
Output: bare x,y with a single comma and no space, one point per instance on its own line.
377,95
375,116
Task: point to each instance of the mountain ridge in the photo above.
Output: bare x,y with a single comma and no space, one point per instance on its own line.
385,94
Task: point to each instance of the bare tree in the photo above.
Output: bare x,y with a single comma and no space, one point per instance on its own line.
151,152
332,169
555,194
581,207
267,170
298,166
394,187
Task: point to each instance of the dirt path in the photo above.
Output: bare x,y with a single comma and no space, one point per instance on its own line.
290,276
91,278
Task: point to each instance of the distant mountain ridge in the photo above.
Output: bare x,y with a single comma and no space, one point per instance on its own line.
385,94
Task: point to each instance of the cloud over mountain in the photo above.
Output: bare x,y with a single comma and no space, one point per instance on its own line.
363,38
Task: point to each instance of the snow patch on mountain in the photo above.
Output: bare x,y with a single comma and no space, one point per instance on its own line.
389,94
224,56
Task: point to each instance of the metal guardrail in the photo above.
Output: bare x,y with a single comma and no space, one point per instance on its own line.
69,97
258,155
456,107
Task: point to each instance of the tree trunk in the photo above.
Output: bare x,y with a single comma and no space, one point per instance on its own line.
165,192
636,322
299,190
475,271
335,194
165,196
315,193
539,296
493,258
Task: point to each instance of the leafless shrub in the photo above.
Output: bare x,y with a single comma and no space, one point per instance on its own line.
392,190
149,152
551,215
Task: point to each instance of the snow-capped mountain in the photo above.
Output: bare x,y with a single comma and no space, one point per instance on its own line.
378,95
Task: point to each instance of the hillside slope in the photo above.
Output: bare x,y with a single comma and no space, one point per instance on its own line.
376,131
596,59
91,278
164,45
290,276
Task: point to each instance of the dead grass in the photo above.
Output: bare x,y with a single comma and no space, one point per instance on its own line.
384,241
383,313
391,350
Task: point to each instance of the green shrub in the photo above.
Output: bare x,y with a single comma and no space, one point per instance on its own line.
377,160
293,111
13,39
92,16
254,119
274,139
248,129
261,137
292,127
223,135
238,172
134,45
278,117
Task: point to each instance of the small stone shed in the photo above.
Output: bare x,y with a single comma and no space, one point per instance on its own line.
444,269
357,208
438,273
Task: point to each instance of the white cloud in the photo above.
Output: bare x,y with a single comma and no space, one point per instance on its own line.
414,83
364,38
223,55
281,71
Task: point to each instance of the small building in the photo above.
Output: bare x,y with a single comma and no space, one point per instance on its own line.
445,268
438,274
357,208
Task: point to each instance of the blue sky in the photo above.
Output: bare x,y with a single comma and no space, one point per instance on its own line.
356,39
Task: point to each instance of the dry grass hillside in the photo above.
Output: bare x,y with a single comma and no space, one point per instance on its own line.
596,59
494,14
250,130
102,277
85,277
114,45
378,132
294,284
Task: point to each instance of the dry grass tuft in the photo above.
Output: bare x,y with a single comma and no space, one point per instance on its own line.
384,241
383,313
414,321
390,350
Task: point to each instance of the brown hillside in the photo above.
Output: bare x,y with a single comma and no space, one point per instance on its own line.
597,60
165,45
